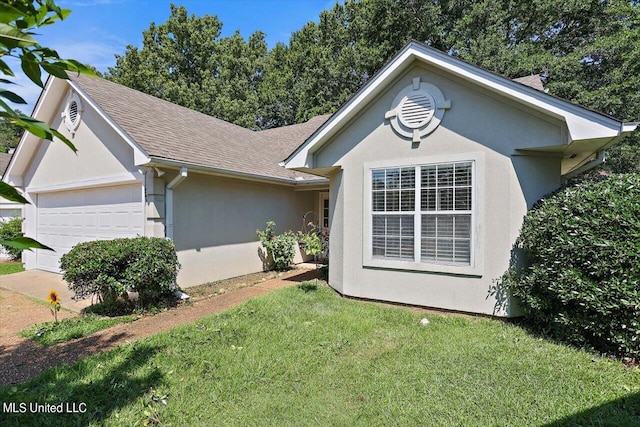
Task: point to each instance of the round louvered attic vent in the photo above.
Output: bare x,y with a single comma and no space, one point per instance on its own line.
417,110
72,113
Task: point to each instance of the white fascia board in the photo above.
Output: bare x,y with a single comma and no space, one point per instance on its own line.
581,122
140,156
29,143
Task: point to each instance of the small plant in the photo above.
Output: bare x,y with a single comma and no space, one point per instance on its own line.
54,300
10,230
280,248
311,243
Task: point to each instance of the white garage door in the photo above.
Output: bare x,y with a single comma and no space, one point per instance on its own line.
70,217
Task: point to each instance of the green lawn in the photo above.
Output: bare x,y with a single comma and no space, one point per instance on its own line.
10,267
313,358
50,333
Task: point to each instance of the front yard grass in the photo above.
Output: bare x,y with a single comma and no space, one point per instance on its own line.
309,357
10,267
50,333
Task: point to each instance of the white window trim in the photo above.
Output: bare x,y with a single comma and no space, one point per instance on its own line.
478,192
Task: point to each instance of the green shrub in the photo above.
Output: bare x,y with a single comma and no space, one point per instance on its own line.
280,248
111,268
581,249
10,230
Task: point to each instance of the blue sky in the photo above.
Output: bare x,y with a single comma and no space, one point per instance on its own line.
96,30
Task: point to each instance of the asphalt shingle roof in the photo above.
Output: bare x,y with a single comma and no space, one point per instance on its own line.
533,81
168,131
4,162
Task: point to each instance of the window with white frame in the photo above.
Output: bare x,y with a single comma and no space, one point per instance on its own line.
423,213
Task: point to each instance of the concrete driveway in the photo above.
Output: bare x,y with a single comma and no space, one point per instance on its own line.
38,283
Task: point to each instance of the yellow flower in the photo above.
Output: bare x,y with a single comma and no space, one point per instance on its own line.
54,298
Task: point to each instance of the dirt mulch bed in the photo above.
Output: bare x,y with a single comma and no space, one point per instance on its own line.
22,359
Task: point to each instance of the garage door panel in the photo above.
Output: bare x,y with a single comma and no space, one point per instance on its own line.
67,218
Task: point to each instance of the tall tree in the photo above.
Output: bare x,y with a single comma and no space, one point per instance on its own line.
9,133
185,61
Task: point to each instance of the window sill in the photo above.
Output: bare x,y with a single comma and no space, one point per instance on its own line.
448,269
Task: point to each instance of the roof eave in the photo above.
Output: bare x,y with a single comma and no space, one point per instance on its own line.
161,161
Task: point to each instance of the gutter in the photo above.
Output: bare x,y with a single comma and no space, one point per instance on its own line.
160,161
169,200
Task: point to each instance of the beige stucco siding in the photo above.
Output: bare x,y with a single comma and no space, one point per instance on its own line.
478,128
215,223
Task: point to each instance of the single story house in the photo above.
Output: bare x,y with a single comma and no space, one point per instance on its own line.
423,177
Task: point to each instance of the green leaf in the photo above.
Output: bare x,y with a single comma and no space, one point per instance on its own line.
16,99
54,70
8,13
24,243
8,111
31,68
5,69
42,130
12,37
10,193
64,139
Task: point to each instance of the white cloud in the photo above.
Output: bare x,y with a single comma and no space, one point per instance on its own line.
97,53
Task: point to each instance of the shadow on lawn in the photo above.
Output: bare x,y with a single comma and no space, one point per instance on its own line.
27,359
75,388
620,412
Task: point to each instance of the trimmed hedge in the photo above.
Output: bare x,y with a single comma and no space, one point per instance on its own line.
111,268
582,248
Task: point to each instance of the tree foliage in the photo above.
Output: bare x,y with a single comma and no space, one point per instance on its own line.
587,51
9,134
185,61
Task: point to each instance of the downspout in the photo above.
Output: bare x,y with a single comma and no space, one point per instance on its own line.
169,200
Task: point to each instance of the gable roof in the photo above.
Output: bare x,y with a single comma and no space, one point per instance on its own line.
169,133
594,129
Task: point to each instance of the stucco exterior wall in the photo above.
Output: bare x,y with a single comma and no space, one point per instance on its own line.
215,223
478,127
